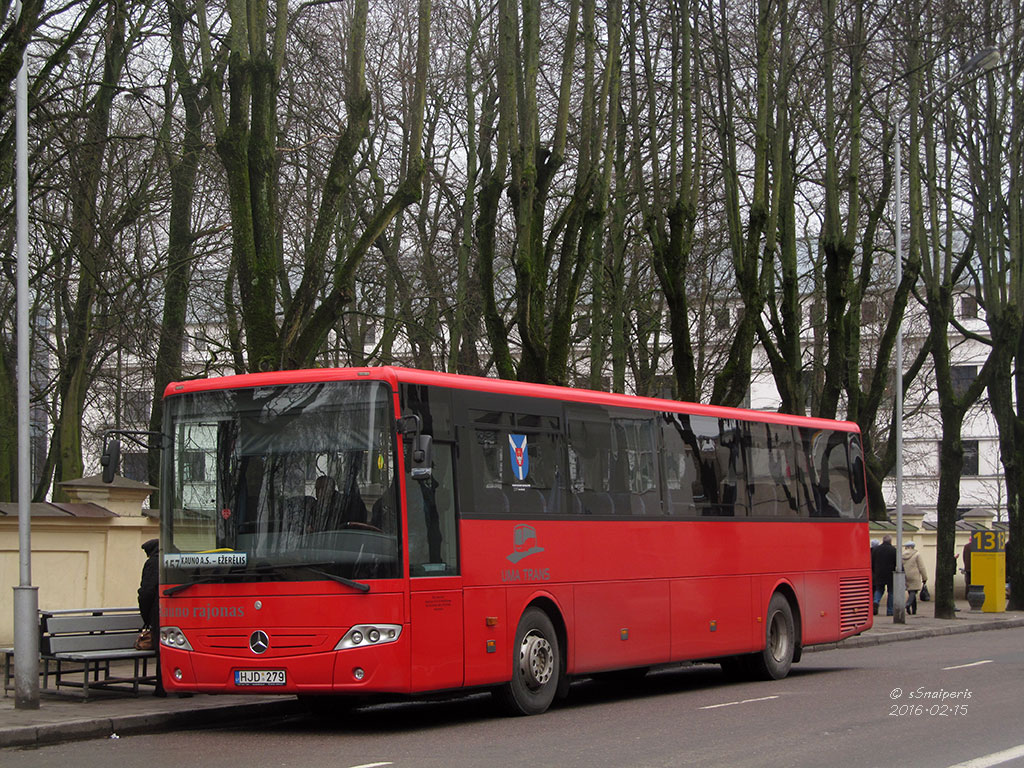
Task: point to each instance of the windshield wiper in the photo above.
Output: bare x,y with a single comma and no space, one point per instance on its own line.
203,580
340,579
358,585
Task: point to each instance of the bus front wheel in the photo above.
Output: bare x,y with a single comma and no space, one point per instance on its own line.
774,662
536,666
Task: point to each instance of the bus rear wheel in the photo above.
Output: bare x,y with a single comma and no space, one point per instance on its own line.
536,666
775,661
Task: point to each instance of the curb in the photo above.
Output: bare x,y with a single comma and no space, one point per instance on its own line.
153,722
915,634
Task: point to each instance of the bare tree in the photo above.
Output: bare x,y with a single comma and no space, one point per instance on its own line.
246,127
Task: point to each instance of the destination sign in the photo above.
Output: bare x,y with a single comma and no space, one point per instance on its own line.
204,559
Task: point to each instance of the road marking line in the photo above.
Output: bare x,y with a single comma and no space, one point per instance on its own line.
734,703
372,765
965,666
996,758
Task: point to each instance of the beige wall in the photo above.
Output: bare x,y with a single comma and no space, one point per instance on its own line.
76,563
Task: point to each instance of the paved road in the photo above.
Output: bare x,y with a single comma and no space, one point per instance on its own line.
935,702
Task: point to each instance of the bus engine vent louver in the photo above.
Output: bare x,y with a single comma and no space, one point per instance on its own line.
854,604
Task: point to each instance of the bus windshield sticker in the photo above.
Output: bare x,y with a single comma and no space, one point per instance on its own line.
204,559
519,455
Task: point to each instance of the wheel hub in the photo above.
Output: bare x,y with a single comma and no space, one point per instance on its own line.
778,639
536,660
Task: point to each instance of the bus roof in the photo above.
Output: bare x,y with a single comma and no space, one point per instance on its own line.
395,375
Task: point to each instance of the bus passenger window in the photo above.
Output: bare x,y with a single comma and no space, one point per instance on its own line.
834,478
433,541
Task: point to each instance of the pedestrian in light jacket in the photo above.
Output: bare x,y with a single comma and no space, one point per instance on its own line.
917,576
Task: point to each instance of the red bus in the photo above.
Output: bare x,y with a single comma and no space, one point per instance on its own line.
355,532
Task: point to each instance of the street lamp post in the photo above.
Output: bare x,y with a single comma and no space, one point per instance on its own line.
984,60
26,597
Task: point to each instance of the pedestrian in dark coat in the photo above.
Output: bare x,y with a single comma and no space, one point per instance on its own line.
883,565
149,602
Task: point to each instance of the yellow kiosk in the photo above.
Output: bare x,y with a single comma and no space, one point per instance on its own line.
988,568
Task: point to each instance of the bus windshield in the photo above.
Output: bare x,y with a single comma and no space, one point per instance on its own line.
283,482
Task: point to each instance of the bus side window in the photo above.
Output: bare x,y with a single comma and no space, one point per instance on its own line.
833,488
858,491
682,479
433,538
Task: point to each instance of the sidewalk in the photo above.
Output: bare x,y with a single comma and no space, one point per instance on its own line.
924,624
67,718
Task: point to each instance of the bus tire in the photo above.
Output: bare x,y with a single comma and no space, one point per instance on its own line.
775,661
536,666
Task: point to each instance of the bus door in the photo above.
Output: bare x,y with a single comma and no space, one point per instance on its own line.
435,585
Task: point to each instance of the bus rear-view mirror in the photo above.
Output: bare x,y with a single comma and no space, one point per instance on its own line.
420,459
110,459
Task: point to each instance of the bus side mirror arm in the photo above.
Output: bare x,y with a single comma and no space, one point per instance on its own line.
411,425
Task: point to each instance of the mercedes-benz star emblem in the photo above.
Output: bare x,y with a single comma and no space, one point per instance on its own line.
259,642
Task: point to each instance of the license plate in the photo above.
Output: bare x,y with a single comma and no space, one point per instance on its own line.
260,677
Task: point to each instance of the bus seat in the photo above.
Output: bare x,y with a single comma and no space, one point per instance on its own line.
492,501
526,501
597,503
577,505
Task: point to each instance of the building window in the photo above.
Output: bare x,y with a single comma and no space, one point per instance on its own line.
722,319
963,376
134,466
971,464
968,307
137,405
869,312
664,386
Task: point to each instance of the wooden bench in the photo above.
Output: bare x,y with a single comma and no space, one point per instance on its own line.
84,642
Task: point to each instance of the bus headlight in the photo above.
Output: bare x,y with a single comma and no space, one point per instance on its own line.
366,635
173,637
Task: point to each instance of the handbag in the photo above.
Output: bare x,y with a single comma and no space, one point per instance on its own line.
925,594
144,642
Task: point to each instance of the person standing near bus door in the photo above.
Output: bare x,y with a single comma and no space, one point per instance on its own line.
149,603
916,574
883,565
